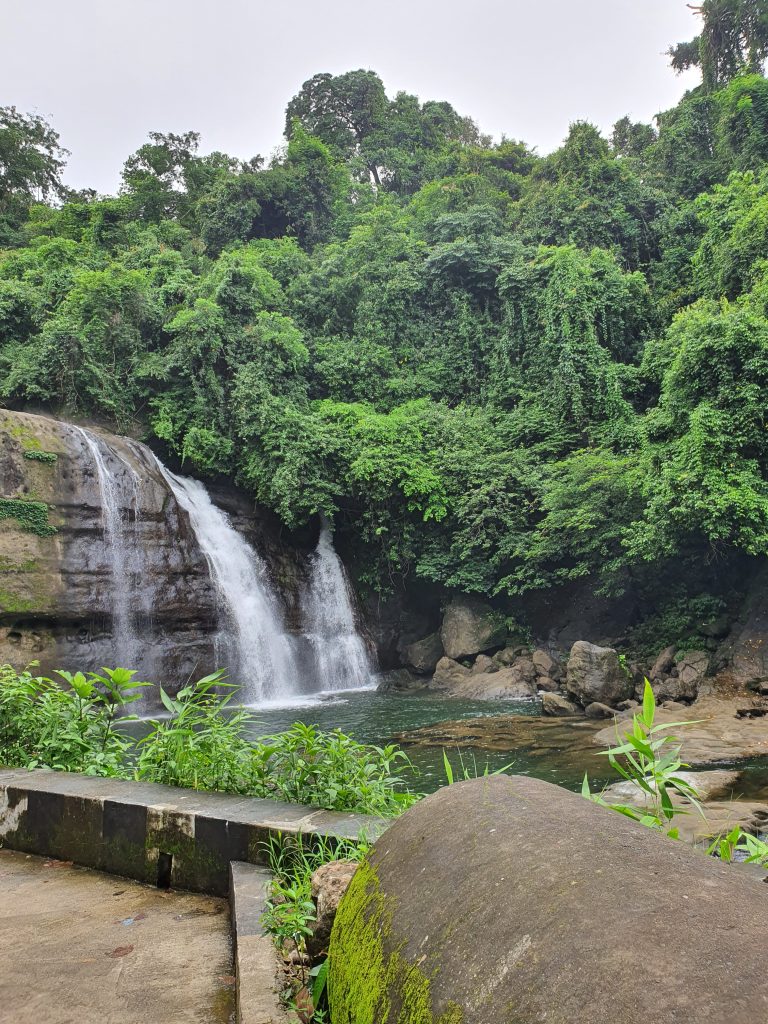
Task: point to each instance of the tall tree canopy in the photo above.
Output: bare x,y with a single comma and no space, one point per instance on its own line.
494,371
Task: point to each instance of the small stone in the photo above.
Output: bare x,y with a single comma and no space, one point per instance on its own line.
547,683
628,705
328,884
598,710
506,657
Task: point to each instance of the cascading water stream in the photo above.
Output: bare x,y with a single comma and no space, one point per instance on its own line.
120,491
252,642
341,660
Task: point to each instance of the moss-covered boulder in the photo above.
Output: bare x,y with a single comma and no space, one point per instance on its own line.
511,901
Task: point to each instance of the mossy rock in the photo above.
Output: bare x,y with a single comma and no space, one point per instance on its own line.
368,984
507,900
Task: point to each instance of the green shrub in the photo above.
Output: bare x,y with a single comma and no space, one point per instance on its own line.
32,516
71,724
67,725
40,456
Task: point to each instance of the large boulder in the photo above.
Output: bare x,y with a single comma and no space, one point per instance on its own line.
449,674
511,683
473,909
471,626
423,655
558,706
595,674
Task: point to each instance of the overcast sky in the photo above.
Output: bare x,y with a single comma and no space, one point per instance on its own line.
105,72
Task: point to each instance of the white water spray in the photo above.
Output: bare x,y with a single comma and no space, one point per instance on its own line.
252,641
341,660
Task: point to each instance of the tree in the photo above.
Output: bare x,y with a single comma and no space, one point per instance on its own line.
343,111
734,38
154,175
31,162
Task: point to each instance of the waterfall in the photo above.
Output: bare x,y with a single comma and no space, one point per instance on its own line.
340,657
252,643
120,490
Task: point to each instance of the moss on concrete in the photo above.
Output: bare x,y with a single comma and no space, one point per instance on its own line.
367,983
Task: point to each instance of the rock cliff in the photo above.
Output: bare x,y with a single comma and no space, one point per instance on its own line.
63,590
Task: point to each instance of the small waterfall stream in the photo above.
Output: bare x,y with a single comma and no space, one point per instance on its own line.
252,641
340,657
120,489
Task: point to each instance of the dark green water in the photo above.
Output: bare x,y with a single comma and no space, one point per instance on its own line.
475,733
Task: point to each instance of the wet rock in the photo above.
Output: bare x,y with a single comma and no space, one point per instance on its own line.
510,683
429,933
711,785
546,665
449,674
423,655
509,655
628,705
484,665
58,590
471,626
556,705
548,684
595,674
598,710
663,663
328,884
400,680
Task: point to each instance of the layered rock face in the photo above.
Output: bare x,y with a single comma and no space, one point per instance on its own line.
59,595
84,585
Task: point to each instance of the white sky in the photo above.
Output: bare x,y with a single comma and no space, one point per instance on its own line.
105,72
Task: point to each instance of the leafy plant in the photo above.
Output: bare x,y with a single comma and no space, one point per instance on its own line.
201,744
291,910
740,845
305,765
67,724
470,772
648,757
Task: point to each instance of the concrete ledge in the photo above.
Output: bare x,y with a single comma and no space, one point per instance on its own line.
156,834
258,1001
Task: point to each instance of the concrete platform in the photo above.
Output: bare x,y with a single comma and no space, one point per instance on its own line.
81,947
153,833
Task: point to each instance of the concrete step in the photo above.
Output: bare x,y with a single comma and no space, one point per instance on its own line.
258,1000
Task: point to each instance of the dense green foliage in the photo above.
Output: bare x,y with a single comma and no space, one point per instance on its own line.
77,724
494,371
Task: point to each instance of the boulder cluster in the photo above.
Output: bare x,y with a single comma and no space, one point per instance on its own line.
471,656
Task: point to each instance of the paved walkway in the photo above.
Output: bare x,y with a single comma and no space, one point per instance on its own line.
80,947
